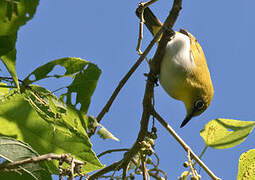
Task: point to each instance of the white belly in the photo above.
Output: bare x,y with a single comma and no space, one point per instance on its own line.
175,65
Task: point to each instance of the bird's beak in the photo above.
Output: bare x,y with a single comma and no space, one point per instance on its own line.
187,119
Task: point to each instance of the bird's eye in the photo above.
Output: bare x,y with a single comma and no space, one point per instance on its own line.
199,104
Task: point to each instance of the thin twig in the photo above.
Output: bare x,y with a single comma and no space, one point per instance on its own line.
184,145
140,37
71,176
155,154
158,170
202,153
191,164
144,170
142,6
112,150
45,157
9,79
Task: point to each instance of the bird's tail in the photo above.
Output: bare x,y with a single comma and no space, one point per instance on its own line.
151,21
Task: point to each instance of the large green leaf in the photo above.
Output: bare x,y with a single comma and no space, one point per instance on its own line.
13,14
13,150
246,170
85,76
32,118
226,133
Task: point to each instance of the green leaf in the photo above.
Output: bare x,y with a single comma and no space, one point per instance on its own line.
246,170
84,84
30,118
13,14
3,89
85,76
226,133
12,150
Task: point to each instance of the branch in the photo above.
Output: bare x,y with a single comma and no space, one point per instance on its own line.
166,37
47,157
184,145
111,150
149,90
144,170
154,71
107,169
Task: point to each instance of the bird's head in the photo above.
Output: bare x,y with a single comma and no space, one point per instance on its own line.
197,104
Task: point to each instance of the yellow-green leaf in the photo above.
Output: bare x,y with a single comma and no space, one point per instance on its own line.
246,170
226,133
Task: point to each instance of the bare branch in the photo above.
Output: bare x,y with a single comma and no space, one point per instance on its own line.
112,150
149,90
184,145
140,37
107,169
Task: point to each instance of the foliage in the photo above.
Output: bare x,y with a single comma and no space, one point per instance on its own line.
36,116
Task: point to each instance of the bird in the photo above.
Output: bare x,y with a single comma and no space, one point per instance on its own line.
184,73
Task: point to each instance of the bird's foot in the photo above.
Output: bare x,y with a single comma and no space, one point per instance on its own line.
152,78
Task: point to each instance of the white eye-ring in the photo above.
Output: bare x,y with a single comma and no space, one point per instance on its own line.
199,104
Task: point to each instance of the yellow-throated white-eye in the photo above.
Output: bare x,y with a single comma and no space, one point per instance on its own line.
184,74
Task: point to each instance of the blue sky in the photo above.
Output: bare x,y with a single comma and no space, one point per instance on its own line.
106,33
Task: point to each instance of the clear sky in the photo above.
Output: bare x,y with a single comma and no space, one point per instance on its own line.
106,33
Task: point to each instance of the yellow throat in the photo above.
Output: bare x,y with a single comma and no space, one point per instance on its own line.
184,74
